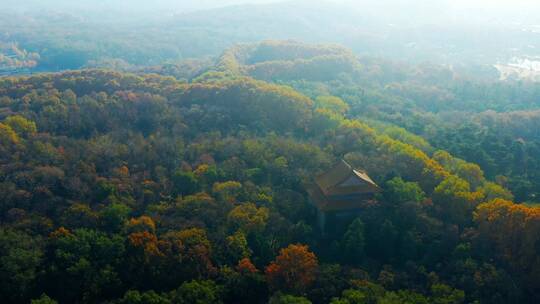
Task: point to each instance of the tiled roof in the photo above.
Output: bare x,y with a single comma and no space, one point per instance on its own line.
330,182
342,188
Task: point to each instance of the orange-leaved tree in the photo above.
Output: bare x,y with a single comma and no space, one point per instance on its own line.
514,232
294,269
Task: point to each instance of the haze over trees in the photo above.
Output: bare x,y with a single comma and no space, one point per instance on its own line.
171,164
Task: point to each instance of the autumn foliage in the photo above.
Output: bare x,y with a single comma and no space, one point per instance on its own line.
177,191
514,232
245,266
294,268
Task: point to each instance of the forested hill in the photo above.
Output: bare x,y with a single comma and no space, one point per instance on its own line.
127,188
127,33
489,122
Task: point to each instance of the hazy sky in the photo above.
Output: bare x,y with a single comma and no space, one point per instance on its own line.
458,11
194,4
458,3
217,3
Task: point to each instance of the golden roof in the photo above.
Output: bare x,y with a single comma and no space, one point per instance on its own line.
343,179
342,188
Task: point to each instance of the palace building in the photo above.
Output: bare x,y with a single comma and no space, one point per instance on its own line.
342,191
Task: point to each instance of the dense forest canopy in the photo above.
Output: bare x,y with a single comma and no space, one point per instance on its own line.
144,163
